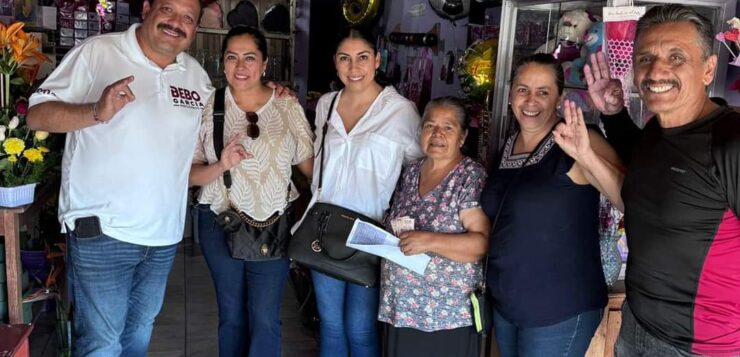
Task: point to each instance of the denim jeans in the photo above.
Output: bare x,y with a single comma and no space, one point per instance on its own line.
249,294
569,338
117,290
349,318
635,341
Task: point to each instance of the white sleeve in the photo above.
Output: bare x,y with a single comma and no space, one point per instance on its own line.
412,130
70,81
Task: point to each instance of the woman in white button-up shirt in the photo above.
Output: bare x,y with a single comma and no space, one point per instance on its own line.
372,131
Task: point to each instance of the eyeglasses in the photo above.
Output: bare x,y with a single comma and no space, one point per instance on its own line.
253,131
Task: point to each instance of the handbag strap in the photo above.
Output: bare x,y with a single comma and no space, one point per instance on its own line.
321,146
219,114
503,198
218,130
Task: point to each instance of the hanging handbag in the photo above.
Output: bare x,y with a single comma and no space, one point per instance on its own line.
319,243
247,238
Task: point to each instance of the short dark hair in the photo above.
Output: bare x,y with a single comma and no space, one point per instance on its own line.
662,14
544,59
257,36
454,103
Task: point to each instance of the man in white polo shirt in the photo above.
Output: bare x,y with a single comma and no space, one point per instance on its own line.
131,104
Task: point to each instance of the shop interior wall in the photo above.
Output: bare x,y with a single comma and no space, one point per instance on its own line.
300,60
451,37
732,91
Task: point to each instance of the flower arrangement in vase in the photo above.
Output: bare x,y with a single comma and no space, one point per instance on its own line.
731,36
22,151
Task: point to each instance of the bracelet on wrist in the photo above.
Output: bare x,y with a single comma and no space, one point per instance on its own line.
95,115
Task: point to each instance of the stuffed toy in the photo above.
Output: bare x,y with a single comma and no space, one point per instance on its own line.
593,42
213,16
572,28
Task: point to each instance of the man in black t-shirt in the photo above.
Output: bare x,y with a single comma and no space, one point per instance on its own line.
680,192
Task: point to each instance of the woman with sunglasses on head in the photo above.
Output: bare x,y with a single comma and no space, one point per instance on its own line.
372,131
263,136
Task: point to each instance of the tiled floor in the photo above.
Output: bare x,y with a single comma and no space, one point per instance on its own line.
190,286
190,294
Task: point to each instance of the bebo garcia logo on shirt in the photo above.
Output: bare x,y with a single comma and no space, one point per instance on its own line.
185,98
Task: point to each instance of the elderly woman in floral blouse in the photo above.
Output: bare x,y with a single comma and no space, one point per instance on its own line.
430,314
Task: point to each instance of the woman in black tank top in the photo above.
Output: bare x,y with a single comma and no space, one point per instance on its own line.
544,262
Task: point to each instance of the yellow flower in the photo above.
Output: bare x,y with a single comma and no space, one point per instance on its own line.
43,149
14,146
33,155
41,135
12,159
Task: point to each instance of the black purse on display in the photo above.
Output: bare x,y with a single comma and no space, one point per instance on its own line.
247,238
319,243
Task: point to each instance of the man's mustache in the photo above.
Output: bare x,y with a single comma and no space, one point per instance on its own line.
164,26
649,83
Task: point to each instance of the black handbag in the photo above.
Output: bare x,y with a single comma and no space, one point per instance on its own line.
247,238
319,243
252,240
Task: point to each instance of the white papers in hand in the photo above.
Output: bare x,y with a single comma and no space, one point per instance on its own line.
371,239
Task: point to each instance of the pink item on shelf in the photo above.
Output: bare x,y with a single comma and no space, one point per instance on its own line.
620,42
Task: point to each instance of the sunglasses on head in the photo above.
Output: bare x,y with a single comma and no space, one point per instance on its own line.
253,131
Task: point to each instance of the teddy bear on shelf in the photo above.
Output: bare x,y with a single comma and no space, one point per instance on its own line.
572,28
212,15
593,42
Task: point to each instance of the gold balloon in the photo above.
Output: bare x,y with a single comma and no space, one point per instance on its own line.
477,67
358,12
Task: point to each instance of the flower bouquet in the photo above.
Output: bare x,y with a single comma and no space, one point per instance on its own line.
22,151
733,37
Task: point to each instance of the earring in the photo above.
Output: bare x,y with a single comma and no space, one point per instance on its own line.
264,73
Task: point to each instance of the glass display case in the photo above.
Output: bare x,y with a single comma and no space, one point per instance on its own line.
530,26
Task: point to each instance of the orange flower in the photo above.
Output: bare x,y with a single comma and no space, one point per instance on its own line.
8,32
26,47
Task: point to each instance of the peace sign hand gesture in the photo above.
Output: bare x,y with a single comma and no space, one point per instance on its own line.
572,136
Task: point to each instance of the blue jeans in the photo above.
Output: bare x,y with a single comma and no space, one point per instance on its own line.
117,290
635,341
349,317
569,338
249,294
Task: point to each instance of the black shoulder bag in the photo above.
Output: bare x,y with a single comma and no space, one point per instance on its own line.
247,238
319,243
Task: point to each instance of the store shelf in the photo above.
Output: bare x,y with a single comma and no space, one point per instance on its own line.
223,32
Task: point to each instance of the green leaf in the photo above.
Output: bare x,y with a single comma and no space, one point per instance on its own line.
17,81
4,163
